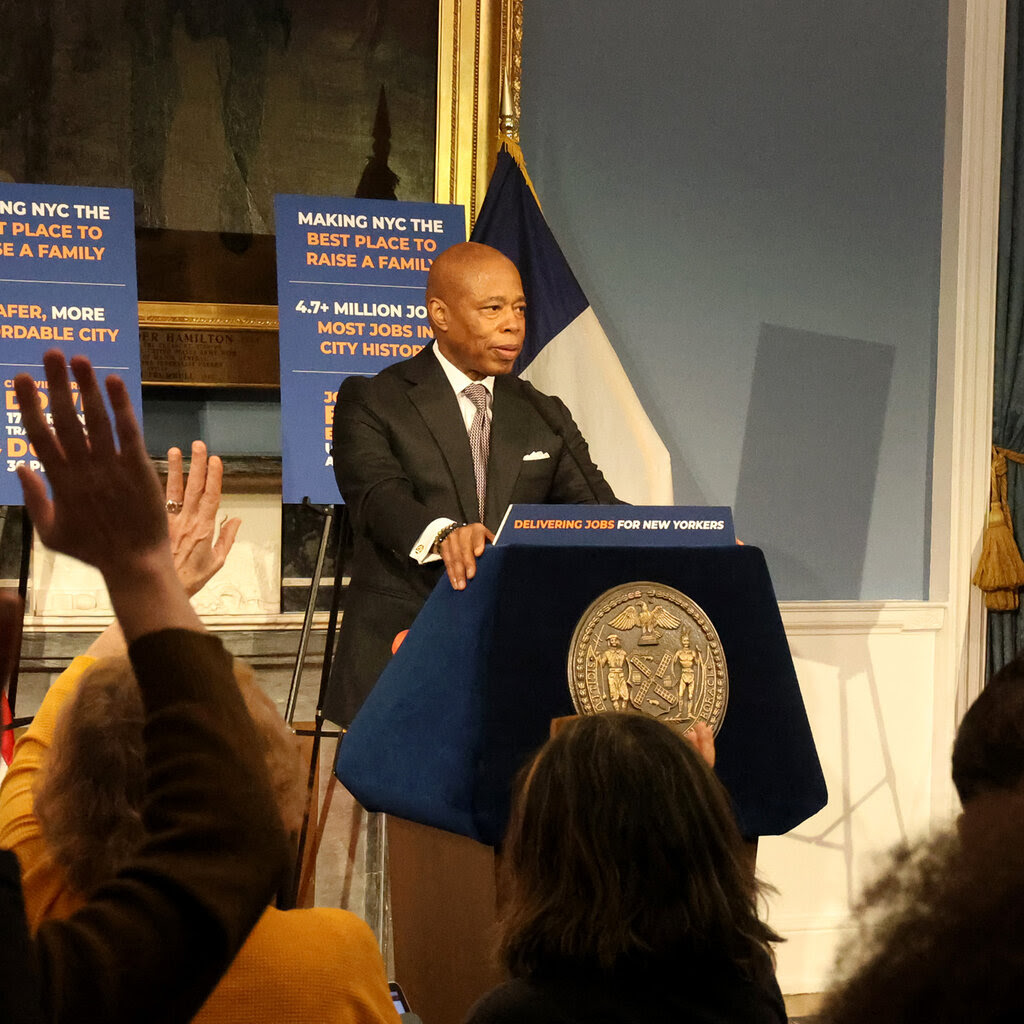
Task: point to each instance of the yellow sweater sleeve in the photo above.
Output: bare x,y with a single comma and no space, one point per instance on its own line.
317,964
45,889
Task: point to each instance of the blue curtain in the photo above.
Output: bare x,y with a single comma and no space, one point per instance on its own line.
1006,629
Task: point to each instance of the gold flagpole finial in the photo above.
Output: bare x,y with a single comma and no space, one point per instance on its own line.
507,122
511,66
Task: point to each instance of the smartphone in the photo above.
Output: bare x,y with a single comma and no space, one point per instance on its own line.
398,998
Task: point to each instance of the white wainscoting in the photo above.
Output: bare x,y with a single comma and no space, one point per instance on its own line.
66,594
866,672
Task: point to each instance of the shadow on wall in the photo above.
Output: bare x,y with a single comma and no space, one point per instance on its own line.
810,458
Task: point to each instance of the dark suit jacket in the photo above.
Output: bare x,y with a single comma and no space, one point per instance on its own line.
402,459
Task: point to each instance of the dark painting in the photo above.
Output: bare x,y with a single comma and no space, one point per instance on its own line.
206,108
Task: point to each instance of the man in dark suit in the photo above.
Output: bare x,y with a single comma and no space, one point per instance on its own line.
406,446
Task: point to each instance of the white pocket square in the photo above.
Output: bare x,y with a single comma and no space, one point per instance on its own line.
535,456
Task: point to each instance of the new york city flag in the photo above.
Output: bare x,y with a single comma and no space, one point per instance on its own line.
566,352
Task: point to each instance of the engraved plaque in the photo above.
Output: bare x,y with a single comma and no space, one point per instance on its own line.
648,648
205,344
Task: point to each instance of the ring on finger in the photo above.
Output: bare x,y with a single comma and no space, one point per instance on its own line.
173,507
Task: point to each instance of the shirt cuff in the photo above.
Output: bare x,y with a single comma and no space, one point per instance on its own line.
421,551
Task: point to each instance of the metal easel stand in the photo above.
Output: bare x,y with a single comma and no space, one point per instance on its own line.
376,910
290,892
26,552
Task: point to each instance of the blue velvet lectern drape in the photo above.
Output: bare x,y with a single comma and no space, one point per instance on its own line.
471,693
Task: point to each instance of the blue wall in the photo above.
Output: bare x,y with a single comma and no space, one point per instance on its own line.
750,194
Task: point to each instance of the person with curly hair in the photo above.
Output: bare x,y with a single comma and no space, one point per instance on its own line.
939,936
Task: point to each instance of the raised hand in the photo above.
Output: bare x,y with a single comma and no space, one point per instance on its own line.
106,508
192,509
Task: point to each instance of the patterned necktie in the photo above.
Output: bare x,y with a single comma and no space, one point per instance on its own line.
479,440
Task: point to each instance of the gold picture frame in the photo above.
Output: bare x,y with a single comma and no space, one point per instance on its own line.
479,68
209,344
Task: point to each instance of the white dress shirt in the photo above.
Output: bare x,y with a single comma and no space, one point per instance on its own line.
421,549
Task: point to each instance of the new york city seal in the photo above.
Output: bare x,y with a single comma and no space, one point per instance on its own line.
649,648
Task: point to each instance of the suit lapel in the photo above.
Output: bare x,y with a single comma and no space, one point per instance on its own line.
510,417
436,403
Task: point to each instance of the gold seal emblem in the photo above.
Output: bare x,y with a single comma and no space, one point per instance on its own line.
649,648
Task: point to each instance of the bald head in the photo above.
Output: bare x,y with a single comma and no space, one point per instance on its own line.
458,264
477,309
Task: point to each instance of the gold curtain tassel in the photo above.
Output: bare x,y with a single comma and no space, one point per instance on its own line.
1002,600
1000,571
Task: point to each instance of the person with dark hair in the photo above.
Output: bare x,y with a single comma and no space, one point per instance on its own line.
625,895
988,753
150,944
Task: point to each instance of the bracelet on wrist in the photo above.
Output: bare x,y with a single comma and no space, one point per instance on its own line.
442,536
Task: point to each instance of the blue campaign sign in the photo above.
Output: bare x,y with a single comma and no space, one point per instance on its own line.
665,526
350,280
67,281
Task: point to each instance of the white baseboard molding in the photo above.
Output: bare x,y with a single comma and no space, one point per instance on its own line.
215,623
821,618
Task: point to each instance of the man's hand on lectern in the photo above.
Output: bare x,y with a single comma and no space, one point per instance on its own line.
460,550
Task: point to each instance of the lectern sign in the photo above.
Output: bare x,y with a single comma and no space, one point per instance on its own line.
649,648
646,526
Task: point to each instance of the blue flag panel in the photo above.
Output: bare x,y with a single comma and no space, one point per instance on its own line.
511,220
